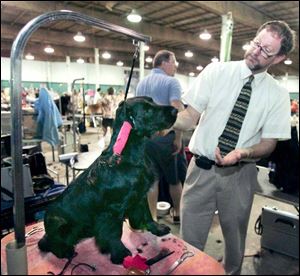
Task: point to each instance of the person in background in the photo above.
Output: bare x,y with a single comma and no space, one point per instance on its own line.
165,150
226,181
120,96
36,92
5,100
294,107
24,95
109,106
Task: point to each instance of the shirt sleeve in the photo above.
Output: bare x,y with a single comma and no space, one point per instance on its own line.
199,93
278,123
175,90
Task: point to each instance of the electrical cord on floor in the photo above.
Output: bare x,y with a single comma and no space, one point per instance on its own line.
92,267
258,227
65,267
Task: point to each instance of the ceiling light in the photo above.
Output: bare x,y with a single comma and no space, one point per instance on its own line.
106,55
49,50
288,61
246,46
199,67
80,60
134,17
146,48
149,59
120,63
79,37
205,35
29,56
191,74
188,54
214,59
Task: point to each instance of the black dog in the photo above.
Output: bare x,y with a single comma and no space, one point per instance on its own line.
96,203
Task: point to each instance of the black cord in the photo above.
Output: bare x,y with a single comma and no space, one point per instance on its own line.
66,265
92,267
258,227
297,208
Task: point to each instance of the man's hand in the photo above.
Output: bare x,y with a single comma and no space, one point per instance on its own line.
177,143
231,158
261,150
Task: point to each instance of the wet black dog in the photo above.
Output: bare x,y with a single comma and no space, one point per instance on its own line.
97,202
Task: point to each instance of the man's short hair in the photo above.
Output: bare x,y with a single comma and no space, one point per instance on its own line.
162,55
110,91
283,30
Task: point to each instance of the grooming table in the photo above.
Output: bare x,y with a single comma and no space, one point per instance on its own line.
143,243
85,159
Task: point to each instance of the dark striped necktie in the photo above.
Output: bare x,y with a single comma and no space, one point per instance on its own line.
230,135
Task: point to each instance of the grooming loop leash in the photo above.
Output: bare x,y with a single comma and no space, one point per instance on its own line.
135,55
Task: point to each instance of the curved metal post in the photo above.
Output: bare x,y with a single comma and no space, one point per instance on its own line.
16,88
73,113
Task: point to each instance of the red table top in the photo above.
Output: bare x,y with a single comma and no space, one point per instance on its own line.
143,243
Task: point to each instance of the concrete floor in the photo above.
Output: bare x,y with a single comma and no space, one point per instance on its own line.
257,261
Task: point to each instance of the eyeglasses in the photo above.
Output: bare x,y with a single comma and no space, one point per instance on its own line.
264,51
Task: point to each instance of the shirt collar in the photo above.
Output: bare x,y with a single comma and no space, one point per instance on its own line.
158,70
246,73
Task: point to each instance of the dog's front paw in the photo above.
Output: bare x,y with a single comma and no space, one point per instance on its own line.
118,254
158,229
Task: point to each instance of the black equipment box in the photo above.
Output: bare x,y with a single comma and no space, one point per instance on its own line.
280,231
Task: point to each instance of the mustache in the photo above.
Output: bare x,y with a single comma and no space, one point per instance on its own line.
249,54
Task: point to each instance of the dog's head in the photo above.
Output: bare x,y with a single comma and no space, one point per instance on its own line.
145,116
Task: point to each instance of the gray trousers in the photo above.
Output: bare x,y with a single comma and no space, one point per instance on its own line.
230,191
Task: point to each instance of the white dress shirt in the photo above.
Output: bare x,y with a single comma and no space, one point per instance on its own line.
214,93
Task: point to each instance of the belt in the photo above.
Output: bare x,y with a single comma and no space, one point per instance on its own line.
204,163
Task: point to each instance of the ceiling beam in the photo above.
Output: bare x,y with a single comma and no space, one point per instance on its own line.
55,38
241,13
153,30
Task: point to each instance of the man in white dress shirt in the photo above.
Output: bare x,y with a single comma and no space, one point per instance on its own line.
227,183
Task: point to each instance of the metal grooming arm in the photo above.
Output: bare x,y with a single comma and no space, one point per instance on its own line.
16,88
73,113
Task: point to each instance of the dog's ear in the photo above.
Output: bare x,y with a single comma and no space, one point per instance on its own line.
123,113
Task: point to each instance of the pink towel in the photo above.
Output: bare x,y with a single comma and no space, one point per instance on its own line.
122,138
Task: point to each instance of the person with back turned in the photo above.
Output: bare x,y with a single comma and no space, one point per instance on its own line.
165,149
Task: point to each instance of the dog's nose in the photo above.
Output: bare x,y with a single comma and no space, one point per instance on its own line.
174,112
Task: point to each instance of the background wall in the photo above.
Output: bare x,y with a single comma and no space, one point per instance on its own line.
58,75
291,83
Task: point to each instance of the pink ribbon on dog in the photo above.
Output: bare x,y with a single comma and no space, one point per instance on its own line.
122,138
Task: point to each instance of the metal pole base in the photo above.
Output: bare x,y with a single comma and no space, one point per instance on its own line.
16,259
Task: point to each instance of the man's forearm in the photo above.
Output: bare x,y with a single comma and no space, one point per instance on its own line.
186,119
261,150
